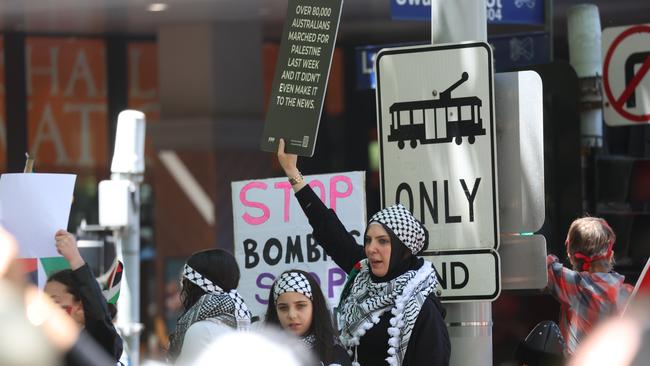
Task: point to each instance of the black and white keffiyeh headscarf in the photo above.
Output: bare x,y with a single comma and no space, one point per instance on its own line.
227,307
402,223
291,282
403,297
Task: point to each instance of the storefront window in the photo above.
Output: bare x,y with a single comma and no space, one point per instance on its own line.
67,114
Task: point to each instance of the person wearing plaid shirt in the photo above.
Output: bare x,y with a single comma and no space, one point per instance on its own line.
591,291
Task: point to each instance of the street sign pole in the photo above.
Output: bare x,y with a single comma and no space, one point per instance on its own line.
584,35
119,209
438,156
469,323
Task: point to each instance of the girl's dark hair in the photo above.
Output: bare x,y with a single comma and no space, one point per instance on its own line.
112,310
321,321
218,266
65,278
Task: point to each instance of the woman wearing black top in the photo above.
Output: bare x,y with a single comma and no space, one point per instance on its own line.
76,290
389,313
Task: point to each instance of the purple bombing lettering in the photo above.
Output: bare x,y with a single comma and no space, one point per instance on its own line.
335,277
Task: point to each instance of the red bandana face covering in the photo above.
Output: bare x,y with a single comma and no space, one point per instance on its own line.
587,260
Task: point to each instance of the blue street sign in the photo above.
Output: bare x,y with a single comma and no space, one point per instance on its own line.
519,50
496,11
410,9
365,65
510,51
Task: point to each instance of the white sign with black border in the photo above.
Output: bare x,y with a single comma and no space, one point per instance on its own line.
435,108
467,275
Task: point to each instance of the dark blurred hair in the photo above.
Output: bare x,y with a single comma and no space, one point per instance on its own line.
218,266
543,346
321,321
65,278
112,310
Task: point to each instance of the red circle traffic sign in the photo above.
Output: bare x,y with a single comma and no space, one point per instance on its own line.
617,103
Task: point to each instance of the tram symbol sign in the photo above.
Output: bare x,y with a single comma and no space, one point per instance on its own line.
626,76
435,109
453,124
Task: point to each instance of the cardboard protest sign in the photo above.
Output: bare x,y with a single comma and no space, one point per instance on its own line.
272,233
301,75
34,206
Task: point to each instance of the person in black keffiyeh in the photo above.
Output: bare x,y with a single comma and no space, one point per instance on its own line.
389,313
211,303
297,305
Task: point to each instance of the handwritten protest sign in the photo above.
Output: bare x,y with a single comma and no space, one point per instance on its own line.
272,233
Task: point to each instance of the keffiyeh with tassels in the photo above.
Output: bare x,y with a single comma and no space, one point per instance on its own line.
402,296
226,307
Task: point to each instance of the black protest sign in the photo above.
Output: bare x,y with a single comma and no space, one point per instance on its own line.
301,75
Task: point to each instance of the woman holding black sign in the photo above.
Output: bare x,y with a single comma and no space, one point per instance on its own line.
388,313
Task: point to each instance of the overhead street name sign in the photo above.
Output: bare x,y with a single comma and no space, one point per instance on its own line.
626,75
437,148
496,11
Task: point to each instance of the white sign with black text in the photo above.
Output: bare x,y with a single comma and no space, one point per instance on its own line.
438,157
467,275
437,140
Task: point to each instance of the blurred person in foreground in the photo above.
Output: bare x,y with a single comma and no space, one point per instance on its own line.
619,341
36,331
267,347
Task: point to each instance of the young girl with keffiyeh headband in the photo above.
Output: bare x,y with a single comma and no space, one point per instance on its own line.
389,313
297,304
592,291
211,303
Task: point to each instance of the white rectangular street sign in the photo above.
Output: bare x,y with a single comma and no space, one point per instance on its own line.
467,275
435,108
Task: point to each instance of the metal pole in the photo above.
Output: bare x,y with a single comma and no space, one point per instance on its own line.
469,324
548,26
127,166
585,56
129,248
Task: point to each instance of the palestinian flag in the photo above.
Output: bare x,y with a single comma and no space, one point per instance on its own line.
110,282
